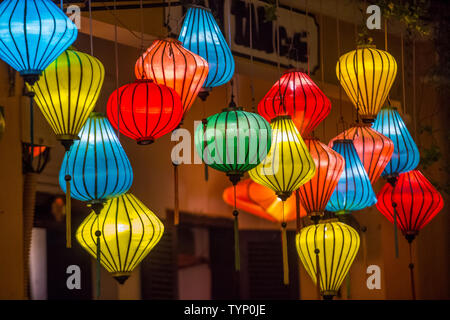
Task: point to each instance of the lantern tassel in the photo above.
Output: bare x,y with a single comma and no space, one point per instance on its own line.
317,251
68,213
394,205
364,245
348,285
297,211
176,216
237,254
411,271
98,234
206,172
285,254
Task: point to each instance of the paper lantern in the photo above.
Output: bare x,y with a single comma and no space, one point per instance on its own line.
67,92
167,62
354,190
315,194
125,231
295,94
417,202
261,201
97,164
374,149
367,75
332,246
147,110
406,155
201,35
34,33
288,164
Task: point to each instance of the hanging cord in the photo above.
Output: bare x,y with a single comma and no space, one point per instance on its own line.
252,71
237,256
98,233
394,205
116,56
205,143
403,74
364,245
91,38
348,286
176,212
297,211
414,88
322,63
285,250
411,271
307,35
338,56
317,251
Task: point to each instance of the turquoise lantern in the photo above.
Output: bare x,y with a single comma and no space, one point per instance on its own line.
201,35
406,155
354,190
34,33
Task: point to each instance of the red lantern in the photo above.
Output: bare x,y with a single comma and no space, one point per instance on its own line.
261,201
315,194
374,149
295,94
168,62
415,200
147,110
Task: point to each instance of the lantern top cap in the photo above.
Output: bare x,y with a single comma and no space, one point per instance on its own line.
295,70
366,46
283,117
343,141
170,40
197,6
95,114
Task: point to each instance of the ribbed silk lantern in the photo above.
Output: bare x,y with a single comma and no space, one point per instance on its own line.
295,94
415,199
146,110
120,235
34,33
167,62
354,190
406,155
374,149
287,166
233,141
327,251
315,194
201,35
261,201
67,92
367,75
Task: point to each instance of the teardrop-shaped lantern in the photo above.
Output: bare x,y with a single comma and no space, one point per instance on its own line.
295,94
374,149
146,110
315,194
167,62
261,201
406,155
97,164
331,245
288,164
354,190
67,92
34,33
125,230
201,35
367,75
415,199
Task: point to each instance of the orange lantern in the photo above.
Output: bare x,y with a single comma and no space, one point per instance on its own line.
261,201
167,62
374,149
315,194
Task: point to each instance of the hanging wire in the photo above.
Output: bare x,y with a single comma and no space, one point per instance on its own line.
411,272
307,35
116,55
414,89
252,71
403,74
284,248
338,55
62,5
91,39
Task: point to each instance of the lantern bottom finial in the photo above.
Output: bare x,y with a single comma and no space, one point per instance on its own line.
234,177
204,93
284,195
145,141
121,277
30,76
67,140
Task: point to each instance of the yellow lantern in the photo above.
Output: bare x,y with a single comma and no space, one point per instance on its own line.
333,246
367,75
121,234
286,167
67,91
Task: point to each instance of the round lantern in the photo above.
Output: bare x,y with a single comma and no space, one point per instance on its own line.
327,251
295,94
34,33
261,201
315,194
67,91
96,165
146,110
406,155
167,62
367,75
201,35
374,149
416,203
354,190
120,235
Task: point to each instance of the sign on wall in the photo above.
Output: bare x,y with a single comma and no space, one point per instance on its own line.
298,32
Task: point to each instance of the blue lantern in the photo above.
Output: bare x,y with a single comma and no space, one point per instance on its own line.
201,35
354,190
406,155
33,34
96,165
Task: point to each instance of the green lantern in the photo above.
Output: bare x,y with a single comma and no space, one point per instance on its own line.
233,141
